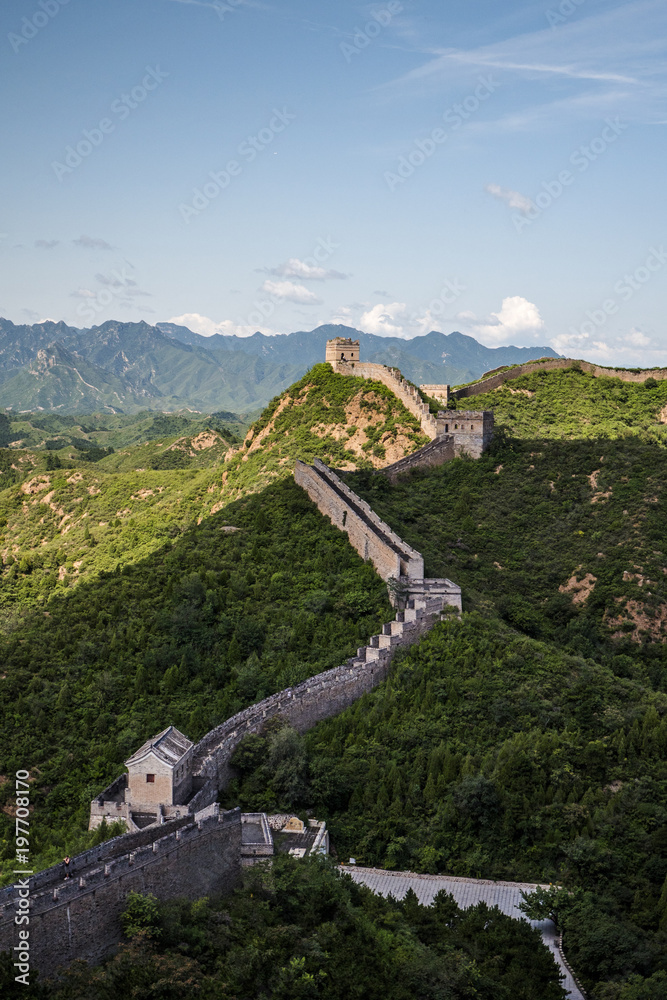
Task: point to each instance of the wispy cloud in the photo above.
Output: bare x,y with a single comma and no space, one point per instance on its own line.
289,291
606,61
46,244
92,243
295,268
514,199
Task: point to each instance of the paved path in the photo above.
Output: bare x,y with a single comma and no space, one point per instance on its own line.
467,892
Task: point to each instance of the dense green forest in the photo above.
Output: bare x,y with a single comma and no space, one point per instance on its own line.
300,931
488,754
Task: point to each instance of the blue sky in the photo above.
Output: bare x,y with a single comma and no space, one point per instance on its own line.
234,165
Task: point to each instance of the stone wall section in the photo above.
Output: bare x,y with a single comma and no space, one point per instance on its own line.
319,697
80,917
392,378
368,534
438,392
554,364
435,453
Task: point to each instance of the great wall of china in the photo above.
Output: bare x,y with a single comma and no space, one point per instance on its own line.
492,380
199,852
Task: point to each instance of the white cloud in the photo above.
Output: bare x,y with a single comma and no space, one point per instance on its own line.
385,320
514,199
207,327
611,58
633,349
295,268
46,244
518,319
288,291
637,339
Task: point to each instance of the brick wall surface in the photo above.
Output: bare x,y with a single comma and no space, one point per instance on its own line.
368,534
553,365
80,917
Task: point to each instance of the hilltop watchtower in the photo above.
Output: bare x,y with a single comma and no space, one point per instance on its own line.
342,349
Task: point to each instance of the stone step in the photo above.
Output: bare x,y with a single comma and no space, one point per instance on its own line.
394,628
387,641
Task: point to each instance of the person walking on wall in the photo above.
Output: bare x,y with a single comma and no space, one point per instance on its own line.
66,862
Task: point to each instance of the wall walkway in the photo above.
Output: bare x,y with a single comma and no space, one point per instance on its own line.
392,378
467,892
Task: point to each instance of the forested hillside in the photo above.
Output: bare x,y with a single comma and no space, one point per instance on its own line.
139,598
526,741
529,740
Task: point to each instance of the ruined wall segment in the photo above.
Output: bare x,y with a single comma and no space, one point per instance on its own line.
439,392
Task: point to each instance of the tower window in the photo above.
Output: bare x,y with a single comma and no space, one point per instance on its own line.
150,777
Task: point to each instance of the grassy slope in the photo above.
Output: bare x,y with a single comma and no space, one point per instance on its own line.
61,527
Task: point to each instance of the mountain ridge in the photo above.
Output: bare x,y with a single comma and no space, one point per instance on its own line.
136,366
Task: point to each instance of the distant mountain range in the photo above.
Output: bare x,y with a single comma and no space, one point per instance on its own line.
127,367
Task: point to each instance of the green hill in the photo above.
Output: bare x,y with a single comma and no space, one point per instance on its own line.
527,741
64,518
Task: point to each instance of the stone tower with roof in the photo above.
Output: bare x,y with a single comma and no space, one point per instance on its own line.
160,771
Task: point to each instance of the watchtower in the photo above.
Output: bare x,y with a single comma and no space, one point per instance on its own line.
342,349
160,772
